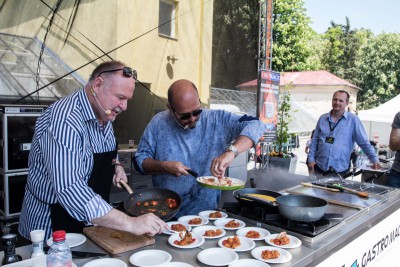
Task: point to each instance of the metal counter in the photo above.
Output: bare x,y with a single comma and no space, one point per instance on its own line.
309,254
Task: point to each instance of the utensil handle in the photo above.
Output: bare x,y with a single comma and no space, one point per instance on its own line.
320,187
126,186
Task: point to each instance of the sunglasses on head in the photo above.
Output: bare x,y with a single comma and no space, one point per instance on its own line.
188,115
126,71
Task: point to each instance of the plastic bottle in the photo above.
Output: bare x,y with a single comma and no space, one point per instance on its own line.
37,237
59,254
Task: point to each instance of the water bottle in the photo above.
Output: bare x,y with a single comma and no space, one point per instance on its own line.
59,254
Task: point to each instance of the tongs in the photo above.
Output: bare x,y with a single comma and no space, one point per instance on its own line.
360,194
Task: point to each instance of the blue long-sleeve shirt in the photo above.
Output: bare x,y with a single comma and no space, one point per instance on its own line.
348,130
60,164
164,140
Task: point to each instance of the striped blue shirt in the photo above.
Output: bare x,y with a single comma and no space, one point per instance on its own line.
66,136
164,140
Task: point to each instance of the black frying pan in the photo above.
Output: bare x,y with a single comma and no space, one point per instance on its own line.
302,208
240,196
135,203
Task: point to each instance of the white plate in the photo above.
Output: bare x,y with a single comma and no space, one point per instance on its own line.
294,241
285,256
206,214
202,229
38,261
199,241
110,262
186,219
175,264
150,257
245,243
221,223
217,256
188,227
263,232
72,240
248,262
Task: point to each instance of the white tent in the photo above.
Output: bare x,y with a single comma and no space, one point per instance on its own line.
378,121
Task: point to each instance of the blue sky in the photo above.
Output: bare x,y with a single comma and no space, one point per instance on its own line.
376,15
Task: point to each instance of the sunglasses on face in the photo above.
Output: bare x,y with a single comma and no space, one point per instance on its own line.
126,71
188,115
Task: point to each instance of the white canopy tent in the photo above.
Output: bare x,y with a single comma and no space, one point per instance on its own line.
378,121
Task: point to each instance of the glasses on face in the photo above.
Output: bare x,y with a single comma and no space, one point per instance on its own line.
126,71
186,116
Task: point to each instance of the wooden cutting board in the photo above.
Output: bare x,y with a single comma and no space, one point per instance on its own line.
115,241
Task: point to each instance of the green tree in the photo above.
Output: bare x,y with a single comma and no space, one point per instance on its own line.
342,51
291,36
379,70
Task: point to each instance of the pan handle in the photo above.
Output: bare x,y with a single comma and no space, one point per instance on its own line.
126,186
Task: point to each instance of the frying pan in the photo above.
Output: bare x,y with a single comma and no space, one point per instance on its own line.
302,208
240,196
149,194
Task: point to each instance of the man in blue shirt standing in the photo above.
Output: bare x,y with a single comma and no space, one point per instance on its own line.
188,137
334,138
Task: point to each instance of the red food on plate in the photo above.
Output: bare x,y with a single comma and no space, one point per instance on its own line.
231,242
178,227
216,214
186,239
253,234
281,239
270,254
195,221
232,224
212,233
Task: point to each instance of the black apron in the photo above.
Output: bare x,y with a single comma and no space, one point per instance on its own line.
100,181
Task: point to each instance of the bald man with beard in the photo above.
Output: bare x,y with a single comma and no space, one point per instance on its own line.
189,137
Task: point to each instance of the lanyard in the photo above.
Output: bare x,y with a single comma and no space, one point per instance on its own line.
334,125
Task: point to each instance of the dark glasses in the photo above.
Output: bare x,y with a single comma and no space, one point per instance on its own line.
126,71
188,115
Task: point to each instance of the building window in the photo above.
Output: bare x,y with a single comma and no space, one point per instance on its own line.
167,15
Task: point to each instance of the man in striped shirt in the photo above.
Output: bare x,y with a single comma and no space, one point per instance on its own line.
72,160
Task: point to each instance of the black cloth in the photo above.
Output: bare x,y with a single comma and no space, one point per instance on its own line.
100,181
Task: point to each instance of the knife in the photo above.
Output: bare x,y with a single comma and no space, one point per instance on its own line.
193,173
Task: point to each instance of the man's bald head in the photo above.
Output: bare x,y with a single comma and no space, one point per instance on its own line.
181,90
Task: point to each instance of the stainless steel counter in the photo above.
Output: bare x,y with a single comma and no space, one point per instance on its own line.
309,254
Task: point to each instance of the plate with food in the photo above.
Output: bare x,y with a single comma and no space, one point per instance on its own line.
193,220
209,231
237,243
176,227
230,223
72,239
254,233
224,183
186,240
150,257
271,254
217,256
248,262
213,214
283,240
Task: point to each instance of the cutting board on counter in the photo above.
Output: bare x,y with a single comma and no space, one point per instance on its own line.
115,241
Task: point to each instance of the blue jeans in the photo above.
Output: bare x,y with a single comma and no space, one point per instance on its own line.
394,179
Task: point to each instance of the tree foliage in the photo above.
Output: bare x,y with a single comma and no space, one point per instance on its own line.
379,70
291,36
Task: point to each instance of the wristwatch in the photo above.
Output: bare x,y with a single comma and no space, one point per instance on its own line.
233,149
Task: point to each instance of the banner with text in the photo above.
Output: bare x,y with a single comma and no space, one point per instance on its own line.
268,99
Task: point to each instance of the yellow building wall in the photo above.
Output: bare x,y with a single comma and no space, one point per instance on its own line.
131,24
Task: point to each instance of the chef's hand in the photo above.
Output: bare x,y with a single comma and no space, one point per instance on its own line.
311,166
148,224
119,175
376,165
219,164
175,168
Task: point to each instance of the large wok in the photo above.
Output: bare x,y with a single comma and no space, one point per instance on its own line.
302,208
134,204
242,197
